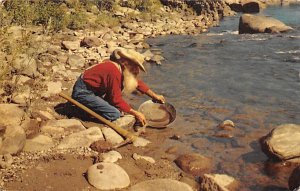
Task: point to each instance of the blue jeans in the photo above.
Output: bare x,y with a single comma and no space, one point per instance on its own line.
84,95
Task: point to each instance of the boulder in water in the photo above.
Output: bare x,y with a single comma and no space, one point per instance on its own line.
261,24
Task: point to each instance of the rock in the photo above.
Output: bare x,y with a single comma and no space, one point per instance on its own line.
76,61
294,180
21,96
63,126
227,125
90,42
161,185
126,122
111,136
111,156
218,182
283,142
52,88
11,115
260,24
6,161
107,176
70,45
146,158
194,164
81,139
26,65
13,140
38,143
250,6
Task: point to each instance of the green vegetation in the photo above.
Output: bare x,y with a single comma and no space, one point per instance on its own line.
55,15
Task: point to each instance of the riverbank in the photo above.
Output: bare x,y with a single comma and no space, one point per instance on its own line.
59,60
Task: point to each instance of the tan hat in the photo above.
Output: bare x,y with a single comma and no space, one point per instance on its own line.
134,56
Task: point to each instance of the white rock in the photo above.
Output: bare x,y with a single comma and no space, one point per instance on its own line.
11,114
146,158
81,139
111,136
53,88
63,126
161,185
107,176
111,156
38,143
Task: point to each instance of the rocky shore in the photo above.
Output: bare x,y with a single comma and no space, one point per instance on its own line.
46,144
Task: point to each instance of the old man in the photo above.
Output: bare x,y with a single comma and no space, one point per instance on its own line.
100,87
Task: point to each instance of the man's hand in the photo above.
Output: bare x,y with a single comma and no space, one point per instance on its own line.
139,116
159,98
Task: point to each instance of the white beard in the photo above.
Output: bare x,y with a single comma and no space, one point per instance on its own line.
130,82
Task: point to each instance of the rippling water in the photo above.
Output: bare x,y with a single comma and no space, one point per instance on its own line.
254,80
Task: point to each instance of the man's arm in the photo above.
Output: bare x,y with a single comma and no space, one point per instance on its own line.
156,97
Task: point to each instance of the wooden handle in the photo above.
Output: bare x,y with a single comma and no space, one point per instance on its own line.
118,129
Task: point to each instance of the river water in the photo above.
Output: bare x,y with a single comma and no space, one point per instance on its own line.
251,79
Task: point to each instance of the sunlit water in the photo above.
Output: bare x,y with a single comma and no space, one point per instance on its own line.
254,80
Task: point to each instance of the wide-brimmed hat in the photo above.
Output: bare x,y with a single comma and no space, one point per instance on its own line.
132,55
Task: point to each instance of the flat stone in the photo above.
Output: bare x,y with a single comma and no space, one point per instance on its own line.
111,156
81,139
140,157
218,182
38,143
107,176
63,126
283,142
161,185
194,164
111,136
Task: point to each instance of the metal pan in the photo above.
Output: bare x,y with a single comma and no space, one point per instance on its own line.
158,115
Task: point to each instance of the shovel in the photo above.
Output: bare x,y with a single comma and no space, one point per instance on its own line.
130,137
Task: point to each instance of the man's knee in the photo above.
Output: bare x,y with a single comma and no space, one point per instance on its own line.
113,115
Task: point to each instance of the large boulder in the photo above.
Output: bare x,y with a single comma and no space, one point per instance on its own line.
283,142
261,24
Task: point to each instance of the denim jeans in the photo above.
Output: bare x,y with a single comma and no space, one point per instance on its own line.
87,97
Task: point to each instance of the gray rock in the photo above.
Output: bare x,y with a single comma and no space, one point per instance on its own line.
126,122
38,143
107,176
11,115
161,185
26,65
111,136
13,140
81,139
218,182
261,24
283,142
76,61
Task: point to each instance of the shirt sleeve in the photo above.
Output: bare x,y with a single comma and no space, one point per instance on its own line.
142,87
114,93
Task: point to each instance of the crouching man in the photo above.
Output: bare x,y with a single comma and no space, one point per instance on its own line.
100,87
